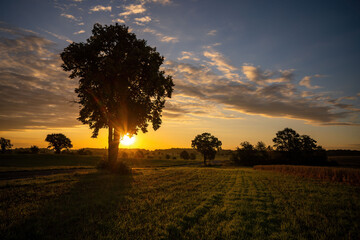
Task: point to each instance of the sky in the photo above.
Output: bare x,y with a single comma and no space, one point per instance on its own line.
243,70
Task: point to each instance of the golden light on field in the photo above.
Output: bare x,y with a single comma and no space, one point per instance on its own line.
127,140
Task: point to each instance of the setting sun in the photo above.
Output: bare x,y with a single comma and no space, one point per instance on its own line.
127,140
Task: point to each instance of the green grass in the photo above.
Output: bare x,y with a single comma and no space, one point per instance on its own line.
178,203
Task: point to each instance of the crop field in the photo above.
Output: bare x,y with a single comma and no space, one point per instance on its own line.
335,174
178,202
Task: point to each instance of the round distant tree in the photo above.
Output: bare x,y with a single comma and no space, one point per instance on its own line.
5,144
185,155
121,86
58,141
287,140
207,145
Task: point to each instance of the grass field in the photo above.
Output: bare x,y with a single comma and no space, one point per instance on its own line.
178,203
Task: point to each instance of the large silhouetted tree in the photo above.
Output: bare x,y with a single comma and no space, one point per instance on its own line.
121,86
5,144
287,140
58,141
207,145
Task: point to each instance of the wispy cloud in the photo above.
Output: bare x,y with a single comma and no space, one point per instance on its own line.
79,32
133,9
118,20
220,62
142,20
306,82
100,8
279,98
34,91
212,32
187,55
60,37
162,37
69,16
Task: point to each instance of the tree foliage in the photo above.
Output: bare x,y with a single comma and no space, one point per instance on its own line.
207,145
248,155
185,155
289,140
34,149
58,141
121,86
5,144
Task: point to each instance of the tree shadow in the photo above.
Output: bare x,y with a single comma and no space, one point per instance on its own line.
87,211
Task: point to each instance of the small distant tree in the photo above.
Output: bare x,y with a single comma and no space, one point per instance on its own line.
167,156
185,155
34,149
207,145
139,154
58,141
124,155
308,144
192,156
260,146
5,144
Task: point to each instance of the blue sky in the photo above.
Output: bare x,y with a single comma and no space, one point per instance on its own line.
243,69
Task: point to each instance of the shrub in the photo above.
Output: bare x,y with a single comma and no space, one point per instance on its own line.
83,151
34,149
192,156
185,155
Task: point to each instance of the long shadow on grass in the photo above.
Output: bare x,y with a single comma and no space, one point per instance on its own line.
85,212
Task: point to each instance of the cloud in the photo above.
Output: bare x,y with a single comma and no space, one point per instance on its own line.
69,16
59,36
220,62
81,24
118,20
187,55
162,37
133,9
142,20
79,32
100,8
278,98
255,74
212,32
306,82
34,91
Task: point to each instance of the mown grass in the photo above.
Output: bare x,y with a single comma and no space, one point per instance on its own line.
335,174
179,203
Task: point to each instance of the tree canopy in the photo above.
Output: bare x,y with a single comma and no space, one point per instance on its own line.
121,86
289,140
207,145
5,144
58,141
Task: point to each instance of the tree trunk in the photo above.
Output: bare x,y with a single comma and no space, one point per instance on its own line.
204,160
114,139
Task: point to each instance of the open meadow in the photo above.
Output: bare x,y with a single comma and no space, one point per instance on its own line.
163,200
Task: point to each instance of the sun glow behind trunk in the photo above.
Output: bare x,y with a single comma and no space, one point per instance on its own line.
127,140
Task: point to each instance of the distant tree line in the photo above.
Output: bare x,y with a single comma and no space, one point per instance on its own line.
289,148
